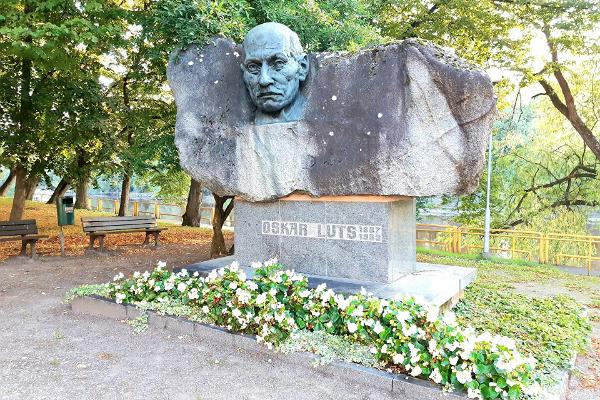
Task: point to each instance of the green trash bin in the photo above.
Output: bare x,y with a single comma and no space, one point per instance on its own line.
65,211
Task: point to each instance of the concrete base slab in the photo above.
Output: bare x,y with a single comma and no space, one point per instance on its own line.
439,285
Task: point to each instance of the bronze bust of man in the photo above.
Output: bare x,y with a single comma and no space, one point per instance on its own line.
274,67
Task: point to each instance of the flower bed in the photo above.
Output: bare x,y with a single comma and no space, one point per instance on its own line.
401,334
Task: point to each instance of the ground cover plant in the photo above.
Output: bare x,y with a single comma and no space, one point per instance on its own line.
277,306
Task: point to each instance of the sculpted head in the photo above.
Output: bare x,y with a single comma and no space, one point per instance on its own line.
273,68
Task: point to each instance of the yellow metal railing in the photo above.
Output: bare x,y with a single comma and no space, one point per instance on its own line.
159,210
550,248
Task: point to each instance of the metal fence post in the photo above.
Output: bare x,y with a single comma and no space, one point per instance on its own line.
590,253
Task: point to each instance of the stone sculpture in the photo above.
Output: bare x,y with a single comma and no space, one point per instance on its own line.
274,66
404,119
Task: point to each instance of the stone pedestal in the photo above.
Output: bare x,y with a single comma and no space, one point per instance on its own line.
364,238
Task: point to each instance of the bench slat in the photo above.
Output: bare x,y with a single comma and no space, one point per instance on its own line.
119,222
22,222
12,228
21,238
106,232
118,227
19,232
99,219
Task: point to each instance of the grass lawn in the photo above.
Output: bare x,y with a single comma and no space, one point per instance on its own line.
538,305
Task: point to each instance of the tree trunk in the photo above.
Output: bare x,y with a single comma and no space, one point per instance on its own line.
81,194
125,187
59,191
217,246
193,209
9,180
32,184
21,188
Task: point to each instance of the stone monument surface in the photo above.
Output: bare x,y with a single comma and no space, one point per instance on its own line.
405,119
326,152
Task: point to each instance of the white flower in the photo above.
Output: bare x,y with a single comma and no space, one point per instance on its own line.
169,286
327,295
352,327
146,275
272,291
358,311
234,267
118,276
403,316
242,276
449,318
183,272
193,294
384,349
453,360
473,393
271,262
432,314
236,312
416,371
436,376
120,297
233,285
205,309
279,317
252,286
243,296
260,299
212,276
181,287
464,376
321,287
304,293
378,328
342,303
160,265
398,359
136,274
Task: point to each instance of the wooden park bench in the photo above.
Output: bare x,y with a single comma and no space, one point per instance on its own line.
99,227
26,231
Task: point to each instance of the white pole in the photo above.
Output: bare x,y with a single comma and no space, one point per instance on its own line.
486,227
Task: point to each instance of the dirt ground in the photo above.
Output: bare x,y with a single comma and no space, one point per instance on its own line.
47,352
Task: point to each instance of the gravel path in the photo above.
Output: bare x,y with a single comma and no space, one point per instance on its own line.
47,352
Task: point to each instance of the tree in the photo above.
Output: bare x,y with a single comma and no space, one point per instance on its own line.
40,54
193,209
542,174
59,191
223,207
7,182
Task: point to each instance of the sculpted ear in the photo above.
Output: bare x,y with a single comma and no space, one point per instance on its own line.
303,71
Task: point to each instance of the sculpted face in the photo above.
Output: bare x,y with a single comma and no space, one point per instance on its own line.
273,67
